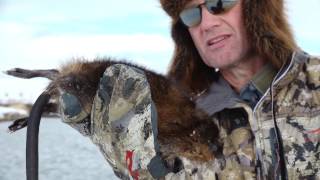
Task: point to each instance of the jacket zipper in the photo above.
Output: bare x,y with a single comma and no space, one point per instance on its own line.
274,81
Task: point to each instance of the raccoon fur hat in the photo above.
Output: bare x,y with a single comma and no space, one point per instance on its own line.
267,29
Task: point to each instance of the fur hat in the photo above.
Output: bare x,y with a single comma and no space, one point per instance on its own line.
268,32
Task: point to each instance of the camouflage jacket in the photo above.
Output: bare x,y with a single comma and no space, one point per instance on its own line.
283,127
294,103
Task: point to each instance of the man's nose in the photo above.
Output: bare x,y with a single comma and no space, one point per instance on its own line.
209,20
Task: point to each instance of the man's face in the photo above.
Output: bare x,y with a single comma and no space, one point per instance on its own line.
221,39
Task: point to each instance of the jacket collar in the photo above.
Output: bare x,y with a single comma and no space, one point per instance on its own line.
290,70
220,95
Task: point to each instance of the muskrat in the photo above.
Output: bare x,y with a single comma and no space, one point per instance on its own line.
183,130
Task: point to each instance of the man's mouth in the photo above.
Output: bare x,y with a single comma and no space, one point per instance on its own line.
217,41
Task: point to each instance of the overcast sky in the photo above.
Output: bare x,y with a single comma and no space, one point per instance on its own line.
45,33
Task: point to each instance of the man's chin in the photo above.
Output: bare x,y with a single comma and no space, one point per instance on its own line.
223,64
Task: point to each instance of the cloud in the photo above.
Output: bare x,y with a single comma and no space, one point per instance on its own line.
92,44
39,11
43,34
20,47
303,16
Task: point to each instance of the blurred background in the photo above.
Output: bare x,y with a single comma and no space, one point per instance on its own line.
45,34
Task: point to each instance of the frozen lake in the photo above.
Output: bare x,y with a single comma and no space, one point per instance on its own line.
64,154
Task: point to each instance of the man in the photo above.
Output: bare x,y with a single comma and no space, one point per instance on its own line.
239,61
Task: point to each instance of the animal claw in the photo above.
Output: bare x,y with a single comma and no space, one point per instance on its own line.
18,124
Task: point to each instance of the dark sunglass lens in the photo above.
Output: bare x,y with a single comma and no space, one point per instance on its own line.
214,6
218,6
191,16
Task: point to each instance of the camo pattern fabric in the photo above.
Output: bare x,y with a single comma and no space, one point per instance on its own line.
238,144
296,102
124,126
121,122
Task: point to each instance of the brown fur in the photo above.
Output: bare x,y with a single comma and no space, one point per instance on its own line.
183,130
268,33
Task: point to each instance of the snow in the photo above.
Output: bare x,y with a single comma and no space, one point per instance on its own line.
8,110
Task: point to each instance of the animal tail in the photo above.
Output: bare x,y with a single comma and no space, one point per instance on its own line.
33,136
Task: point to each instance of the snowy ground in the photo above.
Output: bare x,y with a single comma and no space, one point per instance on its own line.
7,110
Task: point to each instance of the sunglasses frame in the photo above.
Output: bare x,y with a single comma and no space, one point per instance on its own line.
219,9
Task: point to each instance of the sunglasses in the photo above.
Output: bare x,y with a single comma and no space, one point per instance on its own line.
191,16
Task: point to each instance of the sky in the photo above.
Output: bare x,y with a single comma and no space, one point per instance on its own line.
44,34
